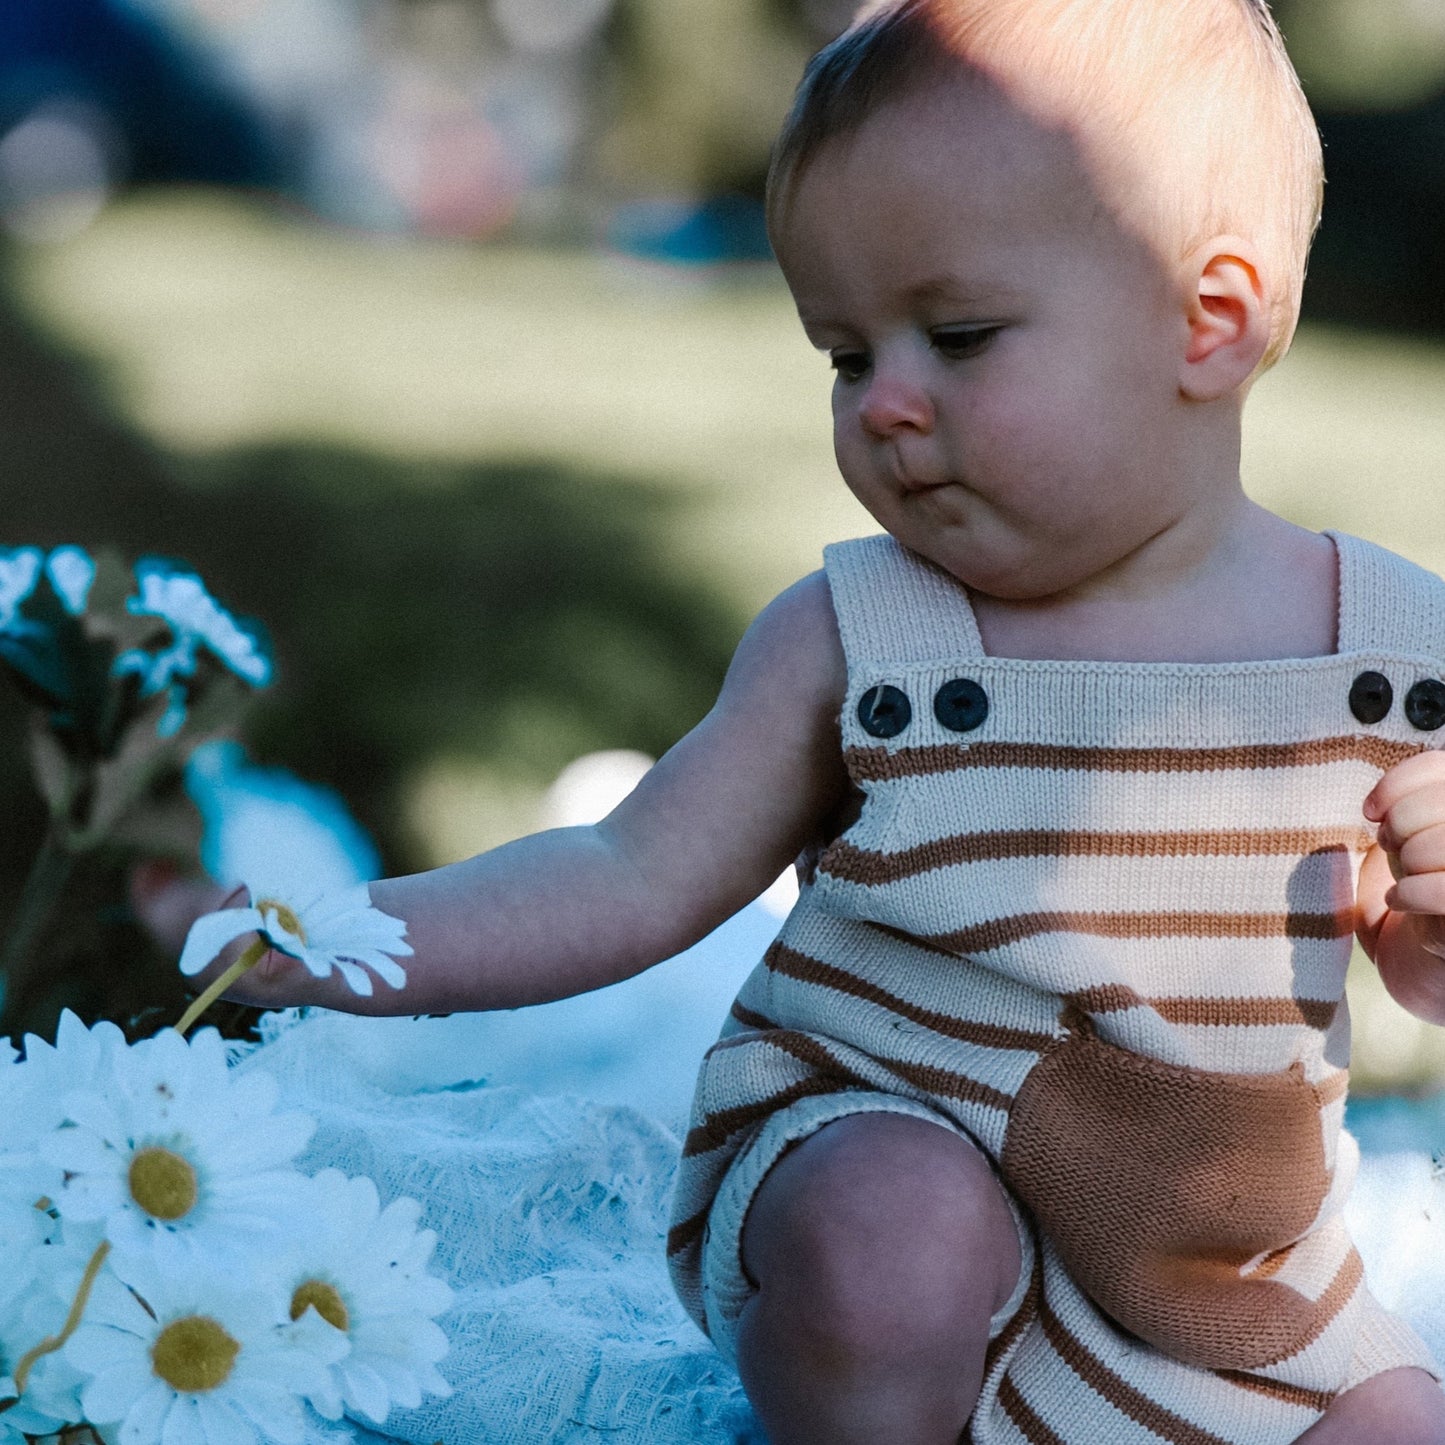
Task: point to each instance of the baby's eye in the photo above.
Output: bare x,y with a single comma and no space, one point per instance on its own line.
850,365
958,343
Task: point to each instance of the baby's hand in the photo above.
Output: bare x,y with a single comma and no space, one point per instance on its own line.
166,902
1409,805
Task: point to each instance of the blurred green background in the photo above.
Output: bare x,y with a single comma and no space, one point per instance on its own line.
440,335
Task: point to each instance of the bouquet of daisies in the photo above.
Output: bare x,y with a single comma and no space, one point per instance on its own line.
125,670
167,1273
170,1275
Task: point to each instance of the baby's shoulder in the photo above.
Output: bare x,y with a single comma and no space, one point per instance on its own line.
1387,602
792,653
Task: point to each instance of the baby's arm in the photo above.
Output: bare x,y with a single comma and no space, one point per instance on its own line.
562,912
1401,897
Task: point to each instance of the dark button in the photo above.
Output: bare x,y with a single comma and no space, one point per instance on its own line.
1371,696
884,711
1425,704
961,705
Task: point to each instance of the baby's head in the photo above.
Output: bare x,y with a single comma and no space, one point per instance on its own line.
1047,244
1188,112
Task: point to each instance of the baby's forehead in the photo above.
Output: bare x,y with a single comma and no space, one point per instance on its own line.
970,144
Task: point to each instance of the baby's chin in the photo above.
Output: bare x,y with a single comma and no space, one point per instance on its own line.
1007,575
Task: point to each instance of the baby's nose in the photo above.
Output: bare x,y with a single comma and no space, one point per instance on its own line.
894,403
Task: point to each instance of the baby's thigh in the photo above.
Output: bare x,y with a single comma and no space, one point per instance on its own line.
1404,1407
883,1215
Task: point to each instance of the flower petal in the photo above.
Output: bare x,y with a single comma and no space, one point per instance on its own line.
211,933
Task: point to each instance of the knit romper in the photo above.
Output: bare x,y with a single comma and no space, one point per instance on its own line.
1096,918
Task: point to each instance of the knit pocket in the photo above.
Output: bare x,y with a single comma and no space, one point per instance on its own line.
1159,1184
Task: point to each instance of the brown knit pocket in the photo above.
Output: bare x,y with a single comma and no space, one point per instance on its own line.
1158,1183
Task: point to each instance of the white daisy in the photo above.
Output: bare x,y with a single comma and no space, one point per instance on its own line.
19,572
80,1058
31,1092
363,1269
37,1286
176,1157
339,930
179,599
199,1363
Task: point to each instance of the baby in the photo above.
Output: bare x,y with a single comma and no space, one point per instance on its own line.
1028,1127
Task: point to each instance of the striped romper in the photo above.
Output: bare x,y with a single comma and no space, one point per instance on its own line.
1096,918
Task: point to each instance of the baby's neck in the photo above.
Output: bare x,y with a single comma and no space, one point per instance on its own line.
1269,590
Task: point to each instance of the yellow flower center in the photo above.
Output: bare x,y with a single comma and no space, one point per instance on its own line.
285,916
324,1299
193,1354
163,1183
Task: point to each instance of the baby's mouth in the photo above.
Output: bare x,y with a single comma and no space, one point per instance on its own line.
915,486
917,480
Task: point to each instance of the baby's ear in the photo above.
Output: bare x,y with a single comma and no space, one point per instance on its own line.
1229,319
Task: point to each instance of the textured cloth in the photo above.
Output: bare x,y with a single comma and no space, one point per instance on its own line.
1096,916
550,1215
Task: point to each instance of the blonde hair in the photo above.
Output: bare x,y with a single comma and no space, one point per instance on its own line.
1194,102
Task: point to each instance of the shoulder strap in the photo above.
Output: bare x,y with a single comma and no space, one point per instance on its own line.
1387,604
893,606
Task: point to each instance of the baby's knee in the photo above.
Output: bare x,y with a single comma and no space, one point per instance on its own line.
884,1232
1405,1407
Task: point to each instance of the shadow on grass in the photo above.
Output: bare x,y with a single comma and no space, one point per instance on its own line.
516,614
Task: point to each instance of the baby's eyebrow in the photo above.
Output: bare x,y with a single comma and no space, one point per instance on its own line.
948,287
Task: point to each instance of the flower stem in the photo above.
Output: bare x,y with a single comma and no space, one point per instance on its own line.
72,1320
242,965
49,874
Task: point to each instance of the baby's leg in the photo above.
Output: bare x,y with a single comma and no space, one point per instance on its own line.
1401,1407
881,1246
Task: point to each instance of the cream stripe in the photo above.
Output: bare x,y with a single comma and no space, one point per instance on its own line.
1323,882
1118,1392
793,964
907,815
1186,967
1023,1418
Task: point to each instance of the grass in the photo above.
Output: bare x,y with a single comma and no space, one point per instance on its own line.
220,330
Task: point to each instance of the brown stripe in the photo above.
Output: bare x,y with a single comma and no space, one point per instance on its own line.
859,865
866,765
1333,1087
808,1050
716,1129
687,1233
1272,1264
792,964
834,1077
1106,998
748,1018
1319,1400
1208,1012
1317,1013
1028,1424
1000,932
944,1081
1119,1393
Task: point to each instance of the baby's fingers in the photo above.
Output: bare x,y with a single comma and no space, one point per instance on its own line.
1414,812
1418,893
1405,777
1422,852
